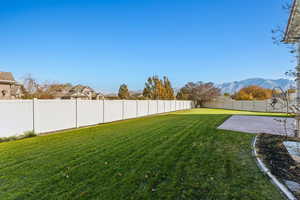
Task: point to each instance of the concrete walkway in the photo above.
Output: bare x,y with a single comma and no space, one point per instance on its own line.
257,124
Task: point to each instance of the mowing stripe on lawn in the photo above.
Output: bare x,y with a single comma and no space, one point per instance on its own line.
175,156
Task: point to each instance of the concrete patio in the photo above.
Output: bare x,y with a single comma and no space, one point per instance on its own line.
257,124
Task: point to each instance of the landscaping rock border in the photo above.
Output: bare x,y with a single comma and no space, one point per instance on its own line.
282,188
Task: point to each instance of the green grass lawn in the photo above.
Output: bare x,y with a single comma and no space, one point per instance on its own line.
173,156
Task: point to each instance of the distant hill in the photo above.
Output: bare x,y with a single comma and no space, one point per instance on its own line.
265,83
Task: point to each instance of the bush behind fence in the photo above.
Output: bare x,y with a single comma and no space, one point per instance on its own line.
41,116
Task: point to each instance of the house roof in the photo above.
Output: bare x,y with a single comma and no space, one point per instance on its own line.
79,91
80,88
7,77
292,32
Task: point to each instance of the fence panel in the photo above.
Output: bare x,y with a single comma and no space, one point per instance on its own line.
237,105
54,115
177,105
160,106
89,112
187,105
16,117
143,107
130,109
168,106
260,106
113,110
152,107
247,105
173,105
183,105
219,104
228,105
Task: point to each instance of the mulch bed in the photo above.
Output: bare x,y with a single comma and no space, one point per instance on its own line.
277,159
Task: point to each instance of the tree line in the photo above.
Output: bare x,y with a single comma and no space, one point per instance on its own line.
161,89
155,88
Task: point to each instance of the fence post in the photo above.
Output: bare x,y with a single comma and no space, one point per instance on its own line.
123,109
76,113
157,107
164,106
99,111
137,108
175,109
148,107
103,110
34,115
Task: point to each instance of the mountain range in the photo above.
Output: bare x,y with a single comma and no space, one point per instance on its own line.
235,86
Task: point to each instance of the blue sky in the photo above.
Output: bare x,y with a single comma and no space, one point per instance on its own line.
105,43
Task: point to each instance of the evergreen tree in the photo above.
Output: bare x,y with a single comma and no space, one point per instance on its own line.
123,92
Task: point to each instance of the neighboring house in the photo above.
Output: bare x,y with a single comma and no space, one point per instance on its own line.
67,91
59,91
82,92
136,95
9,88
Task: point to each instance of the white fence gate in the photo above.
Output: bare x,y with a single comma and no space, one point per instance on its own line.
41,116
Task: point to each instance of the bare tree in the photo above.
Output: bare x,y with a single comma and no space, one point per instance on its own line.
30,85
281,100
47,90
199,92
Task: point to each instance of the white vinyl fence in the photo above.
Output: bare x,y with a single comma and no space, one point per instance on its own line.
41,116
257,106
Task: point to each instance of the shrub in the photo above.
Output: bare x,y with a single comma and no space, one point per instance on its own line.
7,139
27,134
253,92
